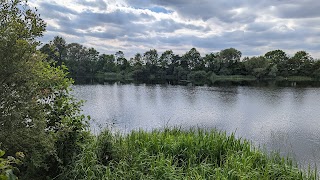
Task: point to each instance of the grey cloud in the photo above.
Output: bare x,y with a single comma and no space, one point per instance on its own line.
120,23
47,8
206,9
89,19
171,26
97,3
299,10
259,27
135,29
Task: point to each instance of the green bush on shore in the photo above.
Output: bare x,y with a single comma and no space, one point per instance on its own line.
179,154
7,165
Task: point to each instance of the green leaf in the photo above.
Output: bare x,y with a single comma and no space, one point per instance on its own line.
10,175
3,177
2,153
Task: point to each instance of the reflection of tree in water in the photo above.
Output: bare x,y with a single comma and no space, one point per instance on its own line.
151,91
119,94
137,92
191,93
299,95
228,95
167,94
270,95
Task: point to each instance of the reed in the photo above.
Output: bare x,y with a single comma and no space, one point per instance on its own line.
179,154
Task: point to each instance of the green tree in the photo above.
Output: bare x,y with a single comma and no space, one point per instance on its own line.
119,57
92,56
273,71
276,56
303,63
316,69
257,66
18,29
198,77
60,47
37,114
193,59
56,50
75,59
106,63
166,59
122,63
213,62
229,59
279,58
50,51
230,55
137,60
151,57
180,73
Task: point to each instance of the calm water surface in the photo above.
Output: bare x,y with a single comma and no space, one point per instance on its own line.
276,118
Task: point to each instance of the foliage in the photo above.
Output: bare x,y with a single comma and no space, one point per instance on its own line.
198,77
38,116
178,154
8,170
19,117
151,57
169,67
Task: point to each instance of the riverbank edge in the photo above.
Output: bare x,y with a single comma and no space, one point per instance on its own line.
174,153
210,79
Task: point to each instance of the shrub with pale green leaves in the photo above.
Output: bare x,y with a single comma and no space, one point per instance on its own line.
8,165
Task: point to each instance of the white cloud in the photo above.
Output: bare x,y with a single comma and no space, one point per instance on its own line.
254,27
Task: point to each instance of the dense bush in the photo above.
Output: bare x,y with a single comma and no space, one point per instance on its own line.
8,169
38,116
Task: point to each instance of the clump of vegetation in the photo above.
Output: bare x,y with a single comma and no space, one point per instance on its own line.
8,169
38,116
179,154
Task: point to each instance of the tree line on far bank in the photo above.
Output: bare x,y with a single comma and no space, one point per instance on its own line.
191,66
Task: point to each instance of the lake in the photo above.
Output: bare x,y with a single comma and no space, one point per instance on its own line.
283,119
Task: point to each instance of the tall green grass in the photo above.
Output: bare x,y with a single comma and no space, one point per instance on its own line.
179,154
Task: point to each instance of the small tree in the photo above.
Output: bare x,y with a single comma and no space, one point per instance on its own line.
37,114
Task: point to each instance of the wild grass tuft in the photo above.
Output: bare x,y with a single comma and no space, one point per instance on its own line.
179,154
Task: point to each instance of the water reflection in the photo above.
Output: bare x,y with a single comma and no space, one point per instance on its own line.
281,118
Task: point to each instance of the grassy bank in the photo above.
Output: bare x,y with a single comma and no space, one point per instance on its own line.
114,77
297,78
214,78
178,154
205,78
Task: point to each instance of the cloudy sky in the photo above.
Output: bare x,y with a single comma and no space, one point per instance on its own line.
252,26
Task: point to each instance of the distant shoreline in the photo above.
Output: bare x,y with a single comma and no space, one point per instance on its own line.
216,80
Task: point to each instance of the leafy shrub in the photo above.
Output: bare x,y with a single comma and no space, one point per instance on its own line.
38,116
8,169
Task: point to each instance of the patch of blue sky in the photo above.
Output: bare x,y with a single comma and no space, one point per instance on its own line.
159,9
